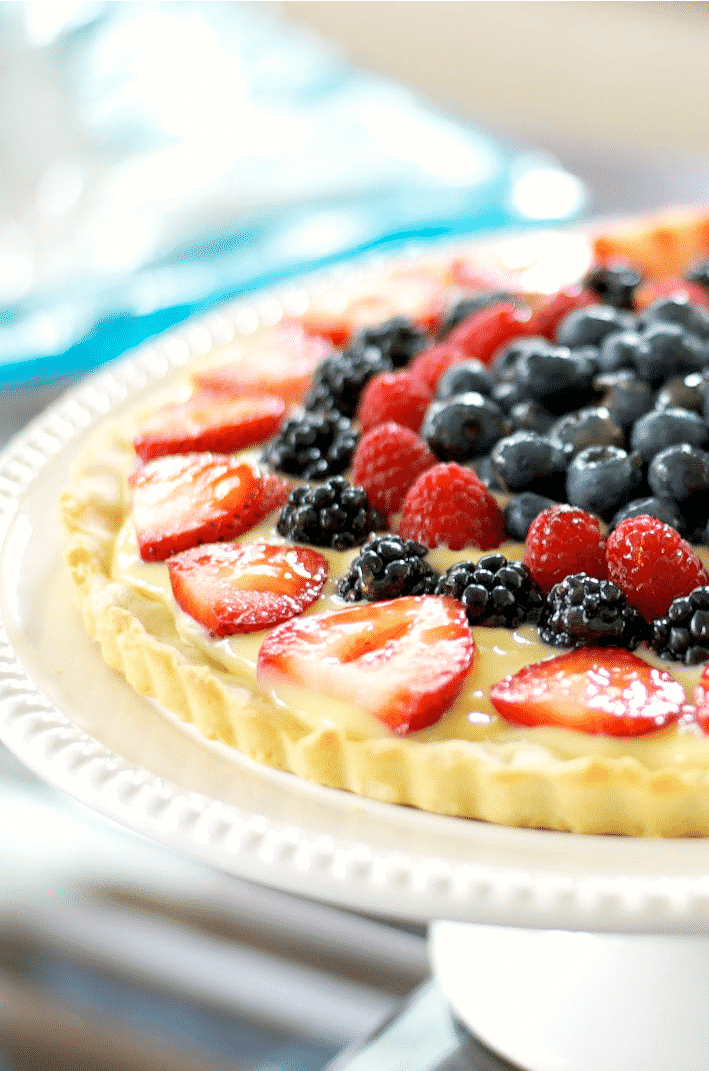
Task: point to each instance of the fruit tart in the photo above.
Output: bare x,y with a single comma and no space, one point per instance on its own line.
435,533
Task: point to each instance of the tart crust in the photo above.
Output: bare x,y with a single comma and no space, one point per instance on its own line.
525,785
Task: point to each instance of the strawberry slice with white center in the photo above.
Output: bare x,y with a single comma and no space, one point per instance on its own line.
403,661
209,422
701,699
279,361
184,499
592,690
232,587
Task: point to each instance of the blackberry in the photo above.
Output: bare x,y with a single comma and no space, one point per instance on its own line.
582,611
339,380
683,635
388,567
397,340
494,592
614,283
313,445
333,514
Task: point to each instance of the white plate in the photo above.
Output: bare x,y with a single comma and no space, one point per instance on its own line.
80,727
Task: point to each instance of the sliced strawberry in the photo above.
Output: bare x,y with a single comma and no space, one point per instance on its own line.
279,361
701,700
403,660
591,690
235,587
209,422
184,499
272,493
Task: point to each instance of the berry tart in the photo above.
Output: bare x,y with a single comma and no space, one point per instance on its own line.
437,537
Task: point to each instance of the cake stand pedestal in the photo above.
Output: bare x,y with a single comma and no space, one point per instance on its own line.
550,1000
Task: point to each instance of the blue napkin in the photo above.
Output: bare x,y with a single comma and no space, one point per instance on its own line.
199,151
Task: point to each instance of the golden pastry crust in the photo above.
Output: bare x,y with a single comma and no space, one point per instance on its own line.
521,781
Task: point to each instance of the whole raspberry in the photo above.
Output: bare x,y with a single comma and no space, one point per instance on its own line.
431,364
551,310
449,506
485,332
386,462
563,540
652,565
399,396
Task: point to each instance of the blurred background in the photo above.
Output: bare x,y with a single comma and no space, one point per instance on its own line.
155,160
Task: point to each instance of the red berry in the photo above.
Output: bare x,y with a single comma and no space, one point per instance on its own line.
279,360
449,506
394,396
701,699
552,308
652,565
660,288
232,587
209,422
387,461
184,499
483,333
403,661
563,540
592,690
431,364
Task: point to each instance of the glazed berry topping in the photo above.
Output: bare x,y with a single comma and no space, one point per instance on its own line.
338,381
495,592
660,428
398,340
388,567
399,396
652,565
463,427
387,461
601,479
521,510
614,283
313,445
561,541
333,514
449,506
526,461
683,634
583,611
590,325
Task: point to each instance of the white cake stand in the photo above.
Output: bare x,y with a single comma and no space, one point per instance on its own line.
561,952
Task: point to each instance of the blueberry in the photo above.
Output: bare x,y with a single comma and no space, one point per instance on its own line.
589,325
699,273
525,461
625,396
460,428
614,283
530,415
587,427
677,309
558,377
618,351
504,366
469,306
464,377
600,479
665,351
681,472
663,509
521,510
485,470
687,392
661,428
